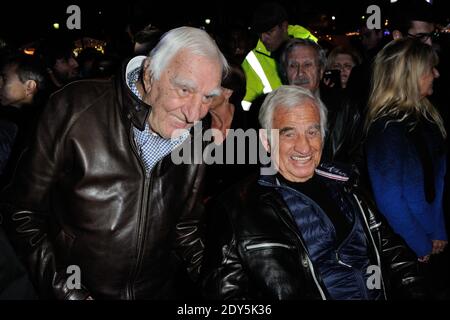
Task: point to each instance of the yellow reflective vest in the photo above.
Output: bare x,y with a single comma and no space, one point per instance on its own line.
261,69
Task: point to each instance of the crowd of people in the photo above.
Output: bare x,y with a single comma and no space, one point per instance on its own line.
356,208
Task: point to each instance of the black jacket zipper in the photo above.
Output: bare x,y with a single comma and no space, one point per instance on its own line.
142,221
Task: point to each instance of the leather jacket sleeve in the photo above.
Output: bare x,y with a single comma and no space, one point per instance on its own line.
28,232
14,280
8,133
190,231
223,274
26,213
404,280
346,136
189,244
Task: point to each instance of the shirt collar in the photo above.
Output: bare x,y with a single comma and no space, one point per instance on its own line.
135,109
134,64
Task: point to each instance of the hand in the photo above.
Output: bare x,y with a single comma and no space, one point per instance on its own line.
438,246
328,83
424,259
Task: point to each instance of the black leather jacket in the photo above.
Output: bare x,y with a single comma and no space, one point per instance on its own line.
259,253
343,142
81,197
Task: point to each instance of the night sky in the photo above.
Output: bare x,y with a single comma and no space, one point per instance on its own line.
25,20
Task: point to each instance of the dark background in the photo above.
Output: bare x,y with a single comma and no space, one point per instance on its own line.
24,21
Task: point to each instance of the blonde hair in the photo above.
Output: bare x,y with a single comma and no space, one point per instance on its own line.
395,92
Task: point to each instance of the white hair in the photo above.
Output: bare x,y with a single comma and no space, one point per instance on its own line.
290,97
195,40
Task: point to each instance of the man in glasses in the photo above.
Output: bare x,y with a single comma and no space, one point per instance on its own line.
414,19
426,37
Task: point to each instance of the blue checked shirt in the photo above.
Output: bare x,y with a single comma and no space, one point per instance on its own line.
151,146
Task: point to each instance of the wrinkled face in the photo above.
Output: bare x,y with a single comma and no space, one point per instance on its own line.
299,142
13,92
273,38
421,30
426,82
183,93
66,70
345,64
303,68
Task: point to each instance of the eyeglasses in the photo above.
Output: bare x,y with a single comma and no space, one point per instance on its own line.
425,36
342,67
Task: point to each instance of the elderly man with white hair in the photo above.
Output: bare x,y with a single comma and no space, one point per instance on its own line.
97,207
304,232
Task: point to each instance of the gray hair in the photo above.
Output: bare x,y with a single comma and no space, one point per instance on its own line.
321,57
290,97
195,40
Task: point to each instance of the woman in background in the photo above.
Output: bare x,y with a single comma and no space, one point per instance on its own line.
405,145
343,59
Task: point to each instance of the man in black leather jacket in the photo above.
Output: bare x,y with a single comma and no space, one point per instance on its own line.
98,209
305,232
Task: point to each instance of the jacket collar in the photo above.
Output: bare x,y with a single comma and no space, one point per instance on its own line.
134,108
261,48
325,170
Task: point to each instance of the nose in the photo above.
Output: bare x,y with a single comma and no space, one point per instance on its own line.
436,73
195,109
73,63
297,72
302,144
428,41
301,69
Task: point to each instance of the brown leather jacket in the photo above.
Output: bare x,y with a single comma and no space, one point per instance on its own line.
81,197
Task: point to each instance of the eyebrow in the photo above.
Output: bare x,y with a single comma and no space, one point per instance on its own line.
215,92
193,86
286,129
184,83
307,60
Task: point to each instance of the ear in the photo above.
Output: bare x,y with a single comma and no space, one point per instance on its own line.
396,34
147,78
227,93
30,87
264,139
284,26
